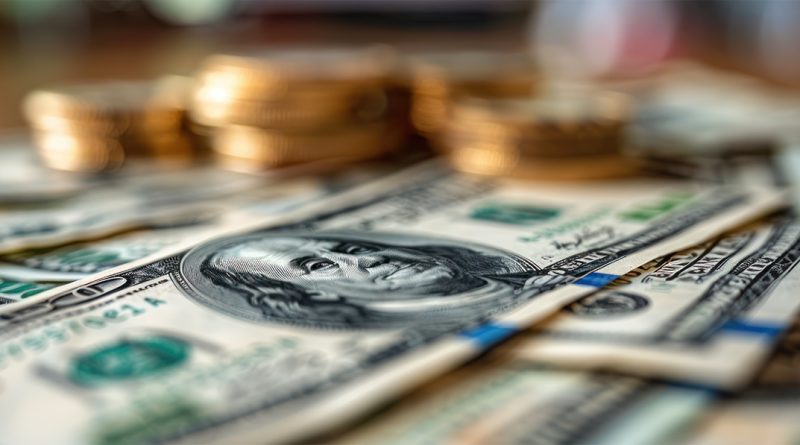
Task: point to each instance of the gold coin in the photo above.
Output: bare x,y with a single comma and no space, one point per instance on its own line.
510,164
289,113
291,89
440,78
543,142
211,92
562,108
574,124
107,107
96,153
95,127
81,154
155,121
275,74
254,149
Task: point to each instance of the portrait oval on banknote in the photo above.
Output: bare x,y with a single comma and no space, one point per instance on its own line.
357,280
608,304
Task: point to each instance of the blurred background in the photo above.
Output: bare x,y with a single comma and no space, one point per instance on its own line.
53,41
43,42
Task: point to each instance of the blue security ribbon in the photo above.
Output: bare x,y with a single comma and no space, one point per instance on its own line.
596,279
745,327
488,334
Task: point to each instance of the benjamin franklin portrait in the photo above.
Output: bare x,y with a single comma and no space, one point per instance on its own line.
353,280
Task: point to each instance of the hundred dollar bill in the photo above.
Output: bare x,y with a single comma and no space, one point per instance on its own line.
696,121
292,326
29,272
139,198
135,202
487,403
79,260
766,412
12,291
748,419
695,110
709,315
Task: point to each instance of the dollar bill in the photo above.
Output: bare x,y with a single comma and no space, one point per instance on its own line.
38,269
695,110
31,271
25,180
290,327
696,121
78,260
708,315
495,402
12,291
766,412
26,274
136,202
749,419
145,195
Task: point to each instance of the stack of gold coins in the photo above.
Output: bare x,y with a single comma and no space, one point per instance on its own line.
568,135
272,109
97,127
441,78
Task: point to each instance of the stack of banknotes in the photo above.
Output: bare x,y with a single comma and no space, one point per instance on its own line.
415,305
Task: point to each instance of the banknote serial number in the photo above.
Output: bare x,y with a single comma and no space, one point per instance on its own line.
34,344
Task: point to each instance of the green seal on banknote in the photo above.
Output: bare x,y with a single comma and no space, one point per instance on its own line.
518,214
129,359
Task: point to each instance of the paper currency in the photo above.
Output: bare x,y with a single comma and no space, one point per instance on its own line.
12,291
750,419
96,207
707,315
696,121
695,110
766,412
31,271
40,268
25,180
508,403
137,201
287,329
